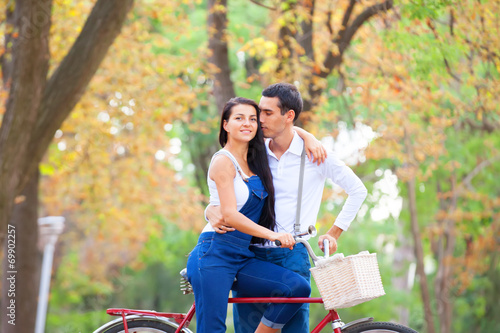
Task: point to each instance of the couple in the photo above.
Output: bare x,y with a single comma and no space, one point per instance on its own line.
253,198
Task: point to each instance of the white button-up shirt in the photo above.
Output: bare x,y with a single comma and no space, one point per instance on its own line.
286,171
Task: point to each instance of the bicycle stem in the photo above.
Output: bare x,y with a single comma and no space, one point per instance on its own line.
310,250
311,230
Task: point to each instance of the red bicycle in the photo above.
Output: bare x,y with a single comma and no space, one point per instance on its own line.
147,321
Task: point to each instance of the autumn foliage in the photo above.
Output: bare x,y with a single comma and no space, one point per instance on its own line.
416,82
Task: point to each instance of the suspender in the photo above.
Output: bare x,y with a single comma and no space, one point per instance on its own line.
299,194
301,181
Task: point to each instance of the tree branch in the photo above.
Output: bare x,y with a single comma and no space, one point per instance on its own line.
484,126
446,63
344,37
347,14
361,19
262,5
477,169
452,22
328,19
306,40
68,83
475,45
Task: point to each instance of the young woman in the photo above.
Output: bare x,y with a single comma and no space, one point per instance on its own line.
240,181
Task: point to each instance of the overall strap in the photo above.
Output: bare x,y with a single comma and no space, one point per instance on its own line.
235,163
299,195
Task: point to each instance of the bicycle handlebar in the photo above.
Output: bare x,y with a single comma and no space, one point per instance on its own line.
298,239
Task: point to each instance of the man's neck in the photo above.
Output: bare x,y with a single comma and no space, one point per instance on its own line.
280,144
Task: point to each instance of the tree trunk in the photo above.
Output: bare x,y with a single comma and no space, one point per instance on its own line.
35,109
28,75
200,150
402,256
415,232
219,57
419,254
286,51
22,277
445,254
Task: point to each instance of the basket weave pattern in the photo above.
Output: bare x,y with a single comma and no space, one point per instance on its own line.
345,282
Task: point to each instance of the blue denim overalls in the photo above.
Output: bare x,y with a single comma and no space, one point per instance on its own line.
217,258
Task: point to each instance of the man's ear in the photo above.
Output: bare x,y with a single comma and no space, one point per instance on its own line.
290,115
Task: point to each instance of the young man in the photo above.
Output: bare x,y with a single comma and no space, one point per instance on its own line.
280,106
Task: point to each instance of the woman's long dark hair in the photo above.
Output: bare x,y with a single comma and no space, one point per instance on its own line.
257,161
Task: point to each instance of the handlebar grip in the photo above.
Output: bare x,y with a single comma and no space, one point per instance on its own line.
326,247
277,242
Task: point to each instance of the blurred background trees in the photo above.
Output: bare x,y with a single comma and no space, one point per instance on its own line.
404,92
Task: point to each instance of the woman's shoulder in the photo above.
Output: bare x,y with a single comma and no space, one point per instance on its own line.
227,156
221,160
224,152
222,164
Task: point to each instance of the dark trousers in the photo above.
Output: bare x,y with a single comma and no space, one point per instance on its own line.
247,316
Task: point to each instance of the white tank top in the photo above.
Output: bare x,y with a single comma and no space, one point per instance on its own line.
240,187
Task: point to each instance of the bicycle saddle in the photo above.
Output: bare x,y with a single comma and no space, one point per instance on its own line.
186,287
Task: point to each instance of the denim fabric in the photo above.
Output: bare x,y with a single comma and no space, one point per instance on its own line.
264,279
217,258
247,316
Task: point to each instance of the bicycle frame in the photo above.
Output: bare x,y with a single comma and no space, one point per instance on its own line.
184,319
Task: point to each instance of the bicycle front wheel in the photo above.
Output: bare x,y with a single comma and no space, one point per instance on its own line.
379,327
142,326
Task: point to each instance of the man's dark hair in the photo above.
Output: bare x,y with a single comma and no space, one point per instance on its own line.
288,95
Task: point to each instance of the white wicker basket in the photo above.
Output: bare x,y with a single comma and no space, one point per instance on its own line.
345,282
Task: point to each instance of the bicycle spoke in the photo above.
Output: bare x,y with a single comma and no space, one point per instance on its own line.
378,327
143,326
143,330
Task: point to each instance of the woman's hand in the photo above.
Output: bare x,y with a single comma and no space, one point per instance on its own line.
286,239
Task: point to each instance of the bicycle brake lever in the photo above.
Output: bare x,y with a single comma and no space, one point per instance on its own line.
278,243
311,230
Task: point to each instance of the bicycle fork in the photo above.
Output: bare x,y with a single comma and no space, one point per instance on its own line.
336,323
332,317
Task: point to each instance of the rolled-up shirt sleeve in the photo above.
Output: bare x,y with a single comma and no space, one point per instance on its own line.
338,172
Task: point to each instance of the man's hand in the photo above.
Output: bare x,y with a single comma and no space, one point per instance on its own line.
214,216
332,240
332,235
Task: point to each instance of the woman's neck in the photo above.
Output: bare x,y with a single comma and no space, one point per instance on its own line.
238,150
